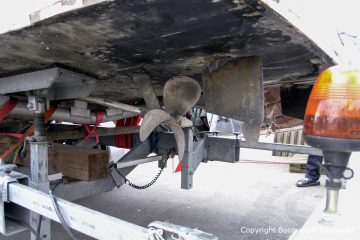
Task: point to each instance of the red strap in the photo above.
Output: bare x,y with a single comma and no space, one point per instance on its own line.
6,108
16,135
119,139
179,167
125,140
92,130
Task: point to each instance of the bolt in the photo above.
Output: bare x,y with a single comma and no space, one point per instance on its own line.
30,105
30,139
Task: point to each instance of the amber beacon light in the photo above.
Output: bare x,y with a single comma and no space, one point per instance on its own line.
333,109
332,123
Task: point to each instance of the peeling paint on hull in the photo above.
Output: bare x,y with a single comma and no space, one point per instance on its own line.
114,39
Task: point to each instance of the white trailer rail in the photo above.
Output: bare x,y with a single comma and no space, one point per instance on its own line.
82,219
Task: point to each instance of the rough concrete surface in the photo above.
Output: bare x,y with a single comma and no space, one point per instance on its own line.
227,200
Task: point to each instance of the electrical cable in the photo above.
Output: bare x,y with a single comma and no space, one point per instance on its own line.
61,218
38,229
139,187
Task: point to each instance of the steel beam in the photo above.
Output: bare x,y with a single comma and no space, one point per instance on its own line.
10,211
75,190
218,148
54,83
300,149
186,171
64,115
115,105
138,162
39,174
87,221
141,150
101,131
93,223
194,155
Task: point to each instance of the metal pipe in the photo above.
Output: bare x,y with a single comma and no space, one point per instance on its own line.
282,147
336,163
270,146
39,123
187,172
332,198
111,104
138,162
39,163
39,171
81,133
64,115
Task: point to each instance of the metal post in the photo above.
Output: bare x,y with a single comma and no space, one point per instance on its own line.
237,147
332,198
336,163
187,172
39,169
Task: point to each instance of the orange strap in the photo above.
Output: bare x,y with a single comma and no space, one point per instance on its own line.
28,132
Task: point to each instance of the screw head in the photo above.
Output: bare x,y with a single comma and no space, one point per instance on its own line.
30,105
7,168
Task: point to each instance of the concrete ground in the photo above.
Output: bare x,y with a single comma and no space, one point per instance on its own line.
233,201
342,225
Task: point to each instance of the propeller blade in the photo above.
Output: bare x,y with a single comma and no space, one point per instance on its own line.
147,91
179,137
151,120
180,95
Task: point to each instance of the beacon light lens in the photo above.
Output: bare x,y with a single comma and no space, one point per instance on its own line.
333,108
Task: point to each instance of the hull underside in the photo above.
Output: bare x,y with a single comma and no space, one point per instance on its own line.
113,40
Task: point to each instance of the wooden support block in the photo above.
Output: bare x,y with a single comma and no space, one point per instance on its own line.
298,168
75,162
288,136
72,161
